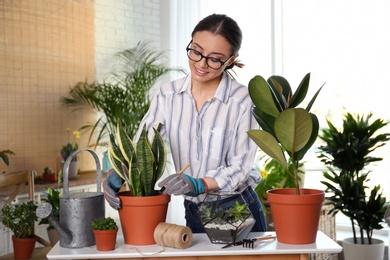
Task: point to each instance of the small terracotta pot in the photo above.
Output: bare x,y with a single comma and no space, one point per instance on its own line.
23,247
105,239
296,217
140,216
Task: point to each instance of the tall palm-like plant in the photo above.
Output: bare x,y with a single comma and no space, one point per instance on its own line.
124,97
347,154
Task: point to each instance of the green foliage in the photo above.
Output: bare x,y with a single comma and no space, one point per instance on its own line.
20,218
124,97
141,165
52,196
285,128
347,154
4,154
275,176
105,223
209,213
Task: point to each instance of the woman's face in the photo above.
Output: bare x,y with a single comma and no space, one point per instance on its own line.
213,46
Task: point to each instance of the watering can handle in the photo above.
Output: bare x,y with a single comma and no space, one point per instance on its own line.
66,170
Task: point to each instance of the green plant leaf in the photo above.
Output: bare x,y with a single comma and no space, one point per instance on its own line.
293,128
146,163
269,145
261,96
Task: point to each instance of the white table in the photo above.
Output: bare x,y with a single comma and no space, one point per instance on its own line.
202,248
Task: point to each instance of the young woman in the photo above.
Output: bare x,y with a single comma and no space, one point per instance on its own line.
205,118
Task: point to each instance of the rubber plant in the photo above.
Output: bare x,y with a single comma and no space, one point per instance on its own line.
285,127
140,164
346,152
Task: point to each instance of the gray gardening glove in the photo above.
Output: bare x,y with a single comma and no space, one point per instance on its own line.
179,184
111,187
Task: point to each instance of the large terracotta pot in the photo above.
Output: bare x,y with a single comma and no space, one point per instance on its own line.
296,217
105,239
374,251
23,247
139,217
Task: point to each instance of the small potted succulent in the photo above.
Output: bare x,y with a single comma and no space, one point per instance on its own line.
19,217
105,230
49,175
225,217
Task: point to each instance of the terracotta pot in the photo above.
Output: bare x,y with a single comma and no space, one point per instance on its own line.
23,247
50,177
374,251
139,217
296,217
105,239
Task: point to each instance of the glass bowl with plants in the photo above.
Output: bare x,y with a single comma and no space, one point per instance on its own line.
225,217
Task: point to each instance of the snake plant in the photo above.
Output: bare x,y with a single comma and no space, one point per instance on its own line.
285,128
140,164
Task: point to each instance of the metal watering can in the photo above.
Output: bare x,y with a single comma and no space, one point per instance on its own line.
77,210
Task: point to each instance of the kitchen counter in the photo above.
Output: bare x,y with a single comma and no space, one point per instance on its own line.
83,179
202,248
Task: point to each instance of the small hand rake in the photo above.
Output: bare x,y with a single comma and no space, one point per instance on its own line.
250,242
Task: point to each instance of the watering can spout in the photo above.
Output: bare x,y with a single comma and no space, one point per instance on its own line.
44,211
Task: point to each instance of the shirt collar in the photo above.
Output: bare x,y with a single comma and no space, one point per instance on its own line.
223,90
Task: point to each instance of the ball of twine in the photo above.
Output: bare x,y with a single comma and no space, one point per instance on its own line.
173,235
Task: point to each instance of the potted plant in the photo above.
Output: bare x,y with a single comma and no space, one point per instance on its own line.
19,217
52,196
66,150
347,153
287,130
140,165
49,175
105,230
225,222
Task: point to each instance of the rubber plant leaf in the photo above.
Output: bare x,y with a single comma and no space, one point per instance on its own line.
262,97
281,90
269,145
293,128
301,91
314,133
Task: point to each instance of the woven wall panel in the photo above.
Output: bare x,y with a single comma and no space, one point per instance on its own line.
46,46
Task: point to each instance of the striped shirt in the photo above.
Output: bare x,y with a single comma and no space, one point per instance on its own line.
214,140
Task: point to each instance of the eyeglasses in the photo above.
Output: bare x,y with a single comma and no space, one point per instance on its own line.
213,63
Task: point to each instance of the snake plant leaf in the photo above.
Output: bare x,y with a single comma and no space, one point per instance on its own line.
293,128
146,162
118,162
160,153
261,96
301,91
269,145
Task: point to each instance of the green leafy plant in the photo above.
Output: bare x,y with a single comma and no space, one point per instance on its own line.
238,212
105,223
124,96
346,152
4,154
275,176
20,218
52,196
285,128
141,164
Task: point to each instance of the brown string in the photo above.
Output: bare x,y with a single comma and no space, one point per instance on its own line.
172,235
